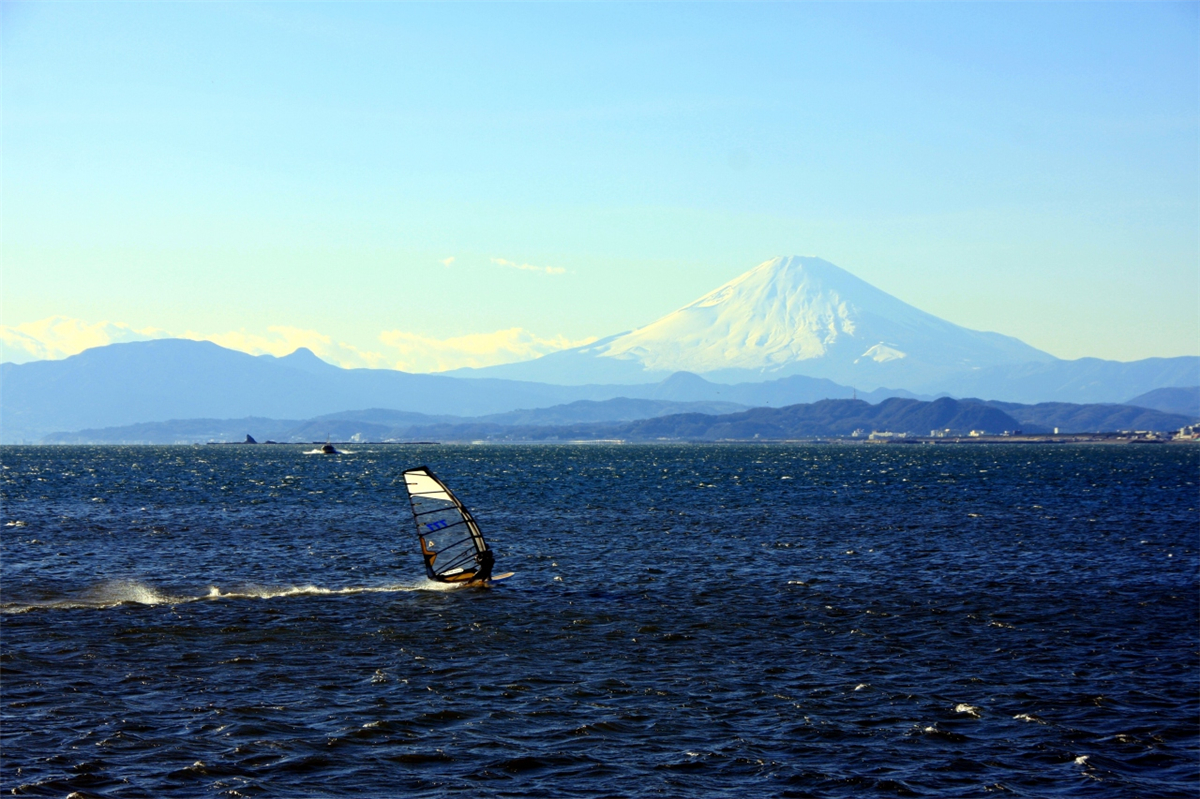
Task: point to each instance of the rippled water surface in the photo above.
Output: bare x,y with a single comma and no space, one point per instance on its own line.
826,621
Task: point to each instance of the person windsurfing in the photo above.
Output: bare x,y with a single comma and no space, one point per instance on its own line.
460,555
485,561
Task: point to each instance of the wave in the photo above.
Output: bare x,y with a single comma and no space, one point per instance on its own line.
116,593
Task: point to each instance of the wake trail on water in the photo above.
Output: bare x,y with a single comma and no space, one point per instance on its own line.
116,593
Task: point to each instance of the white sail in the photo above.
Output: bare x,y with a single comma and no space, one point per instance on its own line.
450,538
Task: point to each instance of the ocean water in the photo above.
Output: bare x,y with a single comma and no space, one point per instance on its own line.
725,620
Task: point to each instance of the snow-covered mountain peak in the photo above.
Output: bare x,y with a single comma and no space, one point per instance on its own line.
782,311
799,315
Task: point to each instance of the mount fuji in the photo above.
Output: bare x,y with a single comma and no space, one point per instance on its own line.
787,316
805,316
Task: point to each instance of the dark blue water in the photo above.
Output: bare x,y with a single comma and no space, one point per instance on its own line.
826,621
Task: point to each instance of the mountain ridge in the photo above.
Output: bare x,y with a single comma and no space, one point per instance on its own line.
579,420
164,379
1175,399
790,315
802,315
855,341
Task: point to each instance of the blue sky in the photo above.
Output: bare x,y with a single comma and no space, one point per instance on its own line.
432,185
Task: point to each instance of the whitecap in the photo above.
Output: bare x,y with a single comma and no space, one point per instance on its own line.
106,594
120,592
114,593
287,591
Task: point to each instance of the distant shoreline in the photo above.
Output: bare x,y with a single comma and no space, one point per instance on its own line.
1082,438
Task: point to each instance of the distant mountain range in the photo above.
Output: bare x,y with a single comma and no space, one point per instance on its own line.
806,316
898,416
155,381
650,420
141,387
377,424
792,330
1185,401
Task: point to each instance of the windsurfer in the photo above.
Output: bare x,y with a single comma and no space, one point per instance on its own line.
486,561
460,556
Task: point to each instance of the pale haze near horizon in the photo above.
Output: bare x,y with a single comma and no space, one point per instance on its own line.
431,186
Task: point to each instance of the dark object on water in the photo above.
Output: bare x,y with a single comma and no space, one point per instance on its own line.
485,561
329,449
249,439
464,557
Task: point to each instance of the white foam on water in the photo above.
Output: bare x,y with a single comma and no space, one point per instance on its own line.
433,585
115,593
120,592
970,710
105,594
278,592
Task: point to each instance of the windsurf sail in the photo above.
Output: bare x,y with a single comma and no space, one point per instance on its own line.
451,542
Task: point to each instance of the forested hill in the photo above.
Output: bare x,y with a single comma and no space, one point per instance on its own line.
897,415
578,421
830,418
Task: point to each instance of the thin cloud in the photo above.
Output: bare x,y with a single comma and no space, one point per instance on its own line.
546,270
418,353
447,261
57,337
282,340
